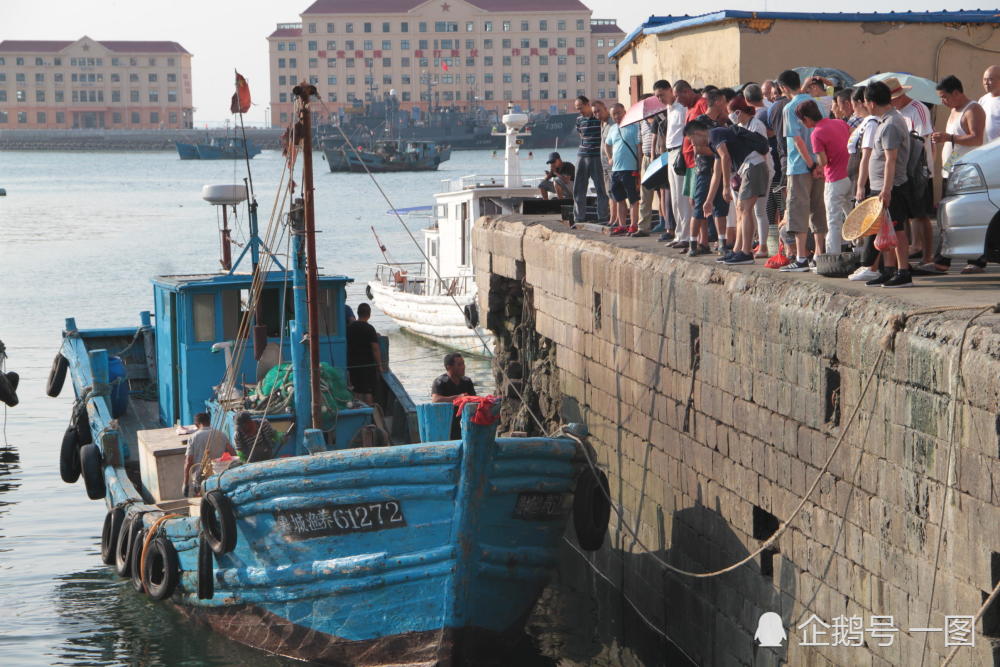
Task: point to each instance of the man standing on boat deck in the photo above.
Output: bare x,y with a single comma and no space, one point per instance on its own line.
364,355
205,437
452,385
255,441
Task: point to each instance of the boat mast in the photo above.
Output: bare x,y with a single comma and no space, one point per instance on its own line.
305,92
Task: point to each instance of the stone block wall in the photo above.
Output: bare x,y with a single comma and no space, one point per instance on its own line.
714,397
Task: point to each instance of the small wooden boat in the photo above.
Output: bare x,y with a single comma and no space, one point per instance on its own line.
388,155
424,551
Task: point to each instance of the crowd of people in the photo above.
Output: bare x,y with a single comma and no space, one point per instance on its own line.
787,154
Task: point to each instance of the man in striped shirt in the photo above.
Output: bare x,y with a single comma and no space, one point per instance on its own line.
588,163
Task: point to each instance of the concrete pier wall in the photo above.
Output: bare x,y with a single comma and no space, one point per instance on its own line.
715,395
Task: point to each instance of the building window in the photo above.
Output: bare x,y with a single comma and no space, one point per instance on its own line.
580,42
525,77
351,80
281,46
135,118
543,94
116,117
525,27
488,26
282,97
404,45
367,27
581,60
600,60
405,62
329,27
543,77
284,117
506,61
406,96
313,63
19,77
488,77
543,25
152,78
60,96
311,27
579,77
445,26
470,26
116,96
561,60
3,95
22,116
331,81
39,77
311,46
600,77
367,46
171,62
313,80
505,43
173,117
387,45
41,116
525,43
423,62
404,27
470,44
612,76
561,25
561,43
422,26
19,61
154,96
133,96
369,63
349,27
562,94
579,24
386,27
61,117
331,97
507,77
349,45
405,79
386,62
172,95
293,46
600,43
152,62
292,64
331,62
21,96
525,61
488,61
154,117
387,79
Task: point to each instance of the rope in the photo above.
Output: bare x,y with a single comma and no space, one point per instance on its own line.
149,538
897,324
975,619
958,386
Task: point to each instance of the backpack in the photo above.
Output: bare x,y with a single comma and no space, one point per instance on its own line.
758,142
917,173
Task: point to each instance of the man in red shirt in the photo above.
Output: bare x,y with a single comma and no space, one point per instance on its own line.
829,143
696,106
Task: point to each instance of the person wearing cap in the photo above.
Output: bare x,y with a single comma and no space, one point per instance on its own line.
918,119
558,178
255,440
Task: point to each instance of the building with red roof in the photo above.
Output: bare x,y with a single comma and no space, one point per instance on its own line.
49,84
444,53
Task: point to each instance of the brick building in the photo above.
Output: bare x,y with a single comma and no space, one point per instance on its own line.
91,84
449,53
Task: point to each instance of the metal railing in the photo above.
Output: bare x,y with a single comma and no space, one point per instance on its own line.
410,278
483,181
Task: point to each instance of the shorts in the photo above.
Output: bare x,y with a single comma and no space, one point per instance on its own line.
688,189
549,185
363,380
920,207
754,182
806,210
899,206
720,207
623,186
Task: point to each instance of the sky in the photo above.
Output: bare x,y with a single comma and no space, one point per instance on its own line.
226,35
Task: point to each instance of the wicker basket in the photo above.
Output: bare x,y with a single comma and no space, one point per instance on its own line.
863,220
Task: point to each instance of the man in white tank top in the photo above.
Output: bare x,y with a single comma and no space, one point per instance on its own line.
990,102
968,127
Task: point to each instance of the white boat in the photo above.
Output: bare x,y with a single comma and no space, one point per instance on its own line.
436,298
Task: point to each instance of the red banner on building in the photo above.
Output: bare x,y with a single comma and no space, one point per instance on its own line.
340,54
552,51
571,51
454,53
534,52
359,54
515,52
418,53
378,54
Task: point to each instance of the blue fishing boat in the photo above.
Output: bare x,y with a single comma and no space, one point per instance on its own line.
227,148
369,537
388,155
186,151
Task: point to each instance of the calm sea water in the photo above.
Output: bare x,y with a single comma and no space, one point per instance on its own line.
80,235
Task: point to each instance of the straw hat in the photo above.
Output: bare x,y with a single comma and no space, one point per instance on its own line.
895,88
863,220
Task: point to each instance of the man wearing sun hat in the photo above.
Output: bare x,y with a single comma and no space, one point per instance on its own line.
918,120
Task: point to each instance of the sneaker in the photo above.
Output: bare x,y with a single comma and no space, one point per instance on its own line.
863,274
638,234
796,266
683,246
740,258
666,237
657,228
877,282
697,249
703,249
900,279
619,231
723,257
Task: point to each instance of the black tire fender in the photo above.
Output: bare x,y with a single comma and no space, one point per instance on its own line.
591,509
218,522
471,314
135,560
57,375
92,469
123,547
368,292
69,456
81,422
206,570
109,534
162,569
8,388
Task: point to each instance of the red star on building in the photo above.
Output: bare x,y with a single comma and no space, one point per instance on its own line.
445,7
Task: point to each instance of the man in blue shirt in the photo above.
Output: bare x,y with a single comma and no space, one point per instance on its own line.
805,211
588,164
624,142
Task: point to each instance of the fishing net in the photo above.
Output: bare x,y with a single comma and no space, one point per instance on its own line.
276,392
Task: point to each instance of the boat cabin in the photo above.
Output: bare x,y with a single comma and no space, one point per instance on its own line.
197,320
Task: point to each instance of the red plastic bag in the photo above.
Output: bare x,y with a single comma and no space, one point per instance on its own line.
886,237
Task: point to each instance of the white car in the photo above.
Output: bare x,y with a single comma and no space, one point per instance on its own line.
969,212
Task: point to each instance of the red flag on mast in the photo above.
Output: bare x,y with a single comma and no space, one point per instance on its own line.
241,98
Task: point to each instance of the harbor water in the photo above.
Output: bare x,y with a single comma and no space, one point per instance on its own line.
80,236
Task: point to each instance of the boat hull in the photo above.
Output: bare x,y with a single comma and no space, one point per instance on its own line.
429,648
210,152
344,160
434,318
186,151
